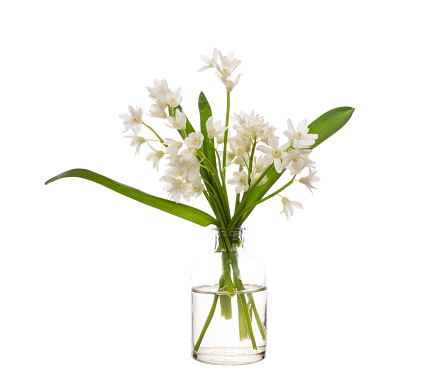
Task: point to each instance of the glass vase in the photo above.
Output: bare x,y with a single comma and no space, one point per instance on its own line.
229,298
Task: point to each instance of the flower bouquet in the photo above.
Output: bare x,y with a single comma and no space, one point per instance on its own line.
198,162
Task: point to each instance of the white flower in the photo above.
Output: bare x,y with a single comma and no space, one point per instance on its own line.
179,122
197,187
229,158
158,110
211,63
265,132
252,126
191,172
238,146
158,90
297,160
173,146
274,152
188,157
227,64
136,141
309,180
161,91
173,99
300,138
215,130
176,188
259,164
245,133
242,160
176,171
288,206
155,157
229,84
254,177
194,140
240,180
133,119
186,165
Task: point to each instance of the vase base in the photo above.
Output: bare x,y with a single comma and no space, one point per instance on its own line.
229,356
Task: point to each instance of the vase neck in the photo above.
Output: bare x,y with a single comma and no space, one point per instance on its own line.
233,237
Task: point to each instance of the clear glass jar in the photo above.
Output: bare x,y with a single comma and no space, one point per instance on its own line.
229,298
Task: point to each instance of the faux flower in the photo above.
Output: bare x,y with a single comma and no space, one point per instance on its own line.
177,188
240,179
197,187
161,92
211,62
215,130
297,160
173,146
254,177
309,180
226,65
288,206
265,131
238,146
159,89
136,141
252,126
260,163
229,84
158,110
274,152
242,160
155,157
173,99
133,119
186,164
300,138
179,122
194,140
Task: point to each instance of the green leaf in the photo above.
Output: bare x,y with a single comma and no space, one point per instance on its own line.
181,210
205,114
325,126
330,123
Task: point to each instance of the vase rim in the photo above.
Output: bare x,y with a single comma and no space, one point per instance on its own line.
221,230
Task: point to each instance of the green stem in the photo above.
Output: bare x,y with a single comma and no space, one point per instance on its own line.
223,199
246,196
236,204
227,119
251,159
257,317
243,305
268,197
156,134
207,322
239,285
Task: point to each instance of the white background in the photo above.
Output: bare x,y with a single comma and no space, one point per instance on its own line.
94,287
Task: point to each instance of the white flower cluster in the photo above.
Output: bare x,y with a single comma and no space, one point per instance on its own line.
293,155
254,147
182,176
163,96
224,66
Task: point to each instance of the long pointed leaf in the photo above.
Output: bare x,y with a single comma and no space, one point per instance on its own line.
330,123
181,210
325,126
205,114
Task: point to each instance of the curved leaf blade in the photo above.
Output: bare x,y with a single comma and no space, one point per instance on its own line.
181,210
